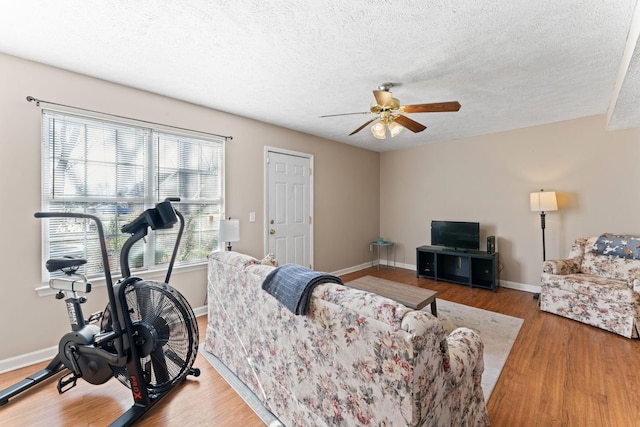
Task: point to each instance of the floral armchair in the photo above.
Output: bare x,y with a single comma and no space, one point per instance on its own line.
599,284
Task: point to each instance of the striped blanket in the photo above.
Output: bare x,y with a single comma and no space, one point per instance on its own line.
292,284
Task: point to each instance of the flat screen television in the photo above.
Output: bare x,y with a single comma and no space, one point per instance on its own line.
456,234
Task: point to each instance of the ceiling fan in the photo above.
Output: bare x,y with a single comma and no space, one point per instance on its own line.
389,113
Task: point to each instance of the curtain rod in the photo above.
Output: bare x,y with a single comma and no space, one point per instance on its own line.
38,101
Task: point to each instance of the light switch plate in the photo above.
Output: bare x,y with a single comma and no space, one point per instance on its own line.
252,217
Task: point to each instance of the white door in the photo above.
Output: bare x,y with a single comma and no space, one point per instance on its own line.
289,207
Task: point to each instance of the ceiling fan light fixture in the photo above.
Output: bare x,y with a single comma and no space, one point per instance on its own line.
394,128
378,130
391,114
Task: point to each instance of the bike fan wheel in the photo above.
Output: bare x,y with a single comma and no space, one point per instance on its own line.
166,334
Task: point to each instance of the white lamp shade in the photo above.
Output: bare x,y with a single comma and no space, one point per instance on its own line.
543,201
229,230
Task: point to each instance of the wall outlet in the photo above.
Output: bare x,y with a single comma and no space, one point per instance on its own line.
252,217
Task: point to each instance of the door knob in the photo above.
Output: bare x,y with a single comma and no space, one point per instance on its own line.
272,231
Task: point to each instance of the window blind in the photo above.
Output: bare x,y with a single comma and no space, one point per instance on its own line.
117,170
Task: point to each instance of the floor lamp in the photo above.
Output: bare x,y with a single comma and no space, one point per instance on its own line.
542,202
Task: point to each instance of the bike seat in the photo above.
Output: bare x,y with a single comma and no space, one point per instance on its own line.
56,264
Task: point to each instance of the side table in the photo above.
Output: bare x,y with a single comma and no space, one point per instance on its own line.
390,246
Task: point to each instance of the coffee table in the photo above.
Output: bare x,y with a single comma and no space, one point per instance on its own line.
410,296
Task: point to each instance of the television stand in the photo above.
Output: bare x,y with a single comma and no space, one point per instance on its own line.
476,269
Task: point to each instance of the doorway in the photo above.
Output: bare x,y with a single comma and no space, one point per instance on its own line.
289,206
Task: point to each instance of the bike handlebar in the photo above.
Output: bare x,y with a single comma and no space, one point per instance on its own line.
161,217
66,215
103,243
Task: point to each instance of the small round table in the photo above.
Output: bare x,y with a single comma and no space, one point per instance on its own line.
389,246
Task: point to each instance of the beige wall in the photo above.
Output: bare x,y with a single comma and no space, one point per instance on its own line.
359,194
346,190
488,179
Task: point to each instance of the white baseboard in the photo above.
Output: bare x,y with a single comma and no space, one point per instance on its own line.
200,311
405,266
520,286
383,263
352,269
28,359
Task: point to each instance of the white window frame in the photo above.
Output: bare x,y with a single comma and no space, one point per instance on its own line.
151,193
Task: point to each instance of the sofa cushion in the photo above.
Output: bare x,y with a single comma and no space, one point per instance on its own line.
591,287
608,265
561,266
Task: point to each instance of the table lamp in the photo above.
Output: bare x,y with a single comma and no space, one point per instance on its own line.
229,231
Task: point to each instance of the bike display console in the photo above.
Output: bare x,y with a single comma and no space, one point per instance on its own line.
476,269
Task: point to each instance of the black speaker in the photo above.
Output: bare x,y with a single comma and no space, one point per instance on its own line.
491,244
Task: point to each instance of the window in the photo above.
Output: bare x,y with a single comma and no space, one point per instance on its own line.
117,170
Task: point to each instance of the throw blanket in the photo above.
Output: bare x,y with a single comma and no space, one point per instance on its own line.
292,284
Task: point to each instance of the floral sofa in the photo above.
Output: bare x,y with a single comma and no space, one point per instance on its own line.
355,359
599,284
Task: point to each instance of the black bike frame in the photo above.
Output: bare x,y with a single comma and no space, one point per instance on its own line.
127,353
122,331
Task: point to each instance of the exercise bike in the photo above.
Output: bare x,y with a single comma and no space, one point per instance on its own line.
147,335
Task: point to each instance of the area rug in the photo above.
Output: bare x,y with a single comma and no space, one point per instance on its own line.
498,333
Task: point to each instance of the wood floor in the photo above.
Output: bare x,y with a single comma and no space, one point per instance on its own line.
559,373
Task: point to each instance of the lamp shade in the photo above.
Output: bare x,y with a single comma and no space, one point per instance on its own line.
543,201
229,230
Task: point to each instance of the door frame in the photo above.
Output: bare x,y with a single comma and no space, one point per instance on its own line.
267,150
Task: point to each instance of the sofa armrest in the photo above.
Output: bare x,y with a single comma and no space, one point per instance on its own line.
466,354
561,266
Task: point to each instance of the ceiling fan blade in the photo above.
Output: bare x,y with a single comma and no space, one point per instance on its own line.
436,107
383,98
363,126
412,125
346,114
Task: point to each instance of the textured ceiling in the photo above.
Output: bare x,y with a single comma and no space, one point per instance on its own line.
510,63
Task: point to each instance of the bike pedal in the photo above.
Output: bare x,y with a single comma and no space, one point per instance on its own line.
64,381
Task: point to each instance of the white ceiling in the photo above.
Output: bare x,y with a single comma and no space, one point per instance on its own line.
510,63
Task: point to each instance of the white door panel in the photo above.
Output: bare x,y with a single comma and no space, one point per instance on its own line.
288,207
